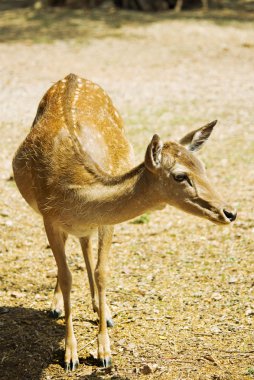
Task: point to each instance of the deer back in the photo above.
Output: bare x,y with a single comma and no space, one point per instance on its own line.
77,136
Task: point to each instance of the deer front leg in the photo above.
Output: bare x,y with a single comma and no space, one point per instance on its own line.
57,303
57,240
101,274
86,245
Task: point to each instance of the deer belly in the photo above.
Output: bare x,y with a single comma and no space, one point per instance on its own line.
79,230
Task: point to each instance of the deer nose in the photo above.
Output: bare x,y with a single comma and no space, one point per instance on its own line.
230,215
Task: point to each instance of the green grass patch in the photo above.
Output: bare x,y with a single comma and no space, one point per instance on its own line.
143,219
250,371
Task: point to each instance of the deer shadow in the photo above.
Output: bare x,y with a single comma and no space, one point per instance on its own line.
30,341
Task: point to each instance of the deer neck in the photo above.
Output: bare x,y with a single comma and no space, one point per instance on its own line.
125,197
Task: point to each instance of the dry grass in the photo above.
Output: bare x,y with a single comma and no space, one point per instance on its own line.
181,288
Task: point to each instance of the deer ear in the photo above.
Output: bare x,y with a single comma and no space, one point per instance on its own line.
195,139
153,154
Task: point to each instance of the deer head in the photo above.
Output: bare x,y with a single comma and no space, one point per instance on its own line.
182,179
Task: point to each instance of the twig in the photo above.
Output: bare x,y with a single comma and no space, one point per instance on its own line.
128,321
203,334
210,358
154,318
127,310
238,352
91,342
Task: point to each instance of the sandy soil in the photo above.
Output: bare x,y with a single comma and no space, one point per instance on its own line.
181,288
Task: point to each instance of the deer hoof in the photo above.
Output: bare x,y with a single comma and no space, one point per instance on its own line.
67,366
107,362
71,366
110,322
56,313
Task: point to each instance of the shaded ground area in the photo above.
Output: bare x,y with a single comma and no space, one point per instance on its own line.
29,25
181,289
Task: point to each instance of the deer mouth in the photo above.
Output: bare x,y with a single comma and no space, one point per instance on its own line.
221,217
212,213
220,221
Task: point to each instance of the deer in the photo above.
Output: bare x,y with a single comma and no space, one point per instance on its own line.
76,169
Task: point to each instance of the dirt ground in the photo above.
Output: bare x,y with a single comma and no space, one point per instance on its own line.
181,288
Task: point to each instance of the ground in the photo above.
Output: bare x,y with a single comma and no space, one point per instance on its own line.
181,288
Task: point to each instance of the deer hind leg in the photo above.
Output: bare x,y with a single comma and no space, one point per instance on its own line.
57,303
86,245
57,240
101,274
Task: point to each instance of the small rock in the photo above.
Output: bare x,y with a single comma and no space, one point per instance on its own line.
9,223
197,294
216,296
232,328
249,312
131,346
146,369
154,367
51,274
126,270
232,280
215,377
4,213
93,353
18,294
215,330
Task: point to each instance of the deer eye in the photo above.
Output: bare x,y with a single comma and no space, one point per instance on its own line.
181,178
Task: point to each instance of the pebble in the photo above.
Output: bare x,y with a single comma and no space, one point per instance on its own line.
232,280
18,294
146,369
249,312
216,296
215,330
9,223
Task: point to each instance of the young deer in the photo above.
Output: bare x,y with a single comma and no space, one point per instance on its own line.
75,169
